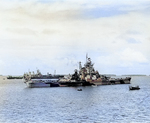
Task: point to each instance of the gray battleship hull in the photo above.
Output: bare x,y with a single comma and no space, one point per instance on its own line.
95,82
112,81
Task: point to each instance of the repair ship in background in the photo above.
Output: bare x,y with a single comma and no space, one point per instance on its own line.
88,76
39,80
85,76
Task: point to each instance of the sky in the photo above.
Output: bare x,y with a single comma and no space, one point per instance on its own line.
55,35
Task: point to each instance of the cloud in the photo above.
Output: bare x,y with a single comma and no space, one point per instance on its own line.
132,40
121,62
130,55
61,33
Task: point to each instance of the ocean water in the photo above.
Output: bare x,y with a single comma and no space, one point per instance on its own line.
101,104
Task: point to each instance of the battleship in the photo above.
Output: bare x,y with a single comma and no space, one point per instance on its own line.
85,76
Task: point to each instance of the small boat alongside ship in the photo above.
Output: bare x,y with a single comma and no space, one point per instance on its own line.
85,76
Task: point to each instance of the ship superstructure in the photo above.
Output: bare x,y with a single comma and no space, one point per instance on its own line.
87,75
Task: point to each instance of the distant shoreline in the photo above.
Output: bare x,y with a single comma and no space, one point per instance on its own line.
135,75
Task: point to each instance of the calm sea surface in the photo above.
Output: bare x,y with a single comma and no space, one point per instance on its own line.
101,104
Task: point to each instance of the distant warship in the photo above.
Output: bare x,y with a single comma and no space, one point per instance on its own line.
39,80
